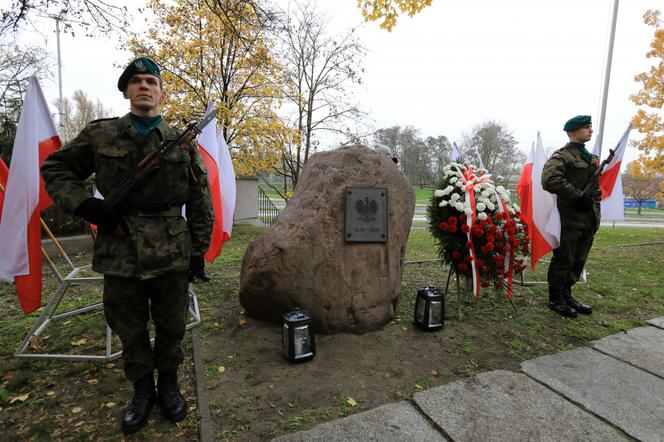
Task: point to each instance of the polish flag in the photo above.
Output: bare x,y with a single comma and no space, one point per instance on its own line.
523,189
611,171
541,213
4,174
25,198
221,177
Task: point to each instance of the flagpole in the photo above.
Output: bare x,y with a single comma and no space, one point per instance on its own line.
607,77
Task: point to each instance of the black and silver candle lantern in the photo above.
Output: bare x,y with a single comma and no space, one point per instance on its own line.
297,337
430,308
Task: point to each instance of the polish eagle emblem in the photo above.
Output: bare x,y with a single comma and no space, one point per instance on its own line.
366,210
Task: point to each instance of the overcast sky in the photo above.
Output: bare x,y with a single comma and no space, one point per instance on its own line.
528,64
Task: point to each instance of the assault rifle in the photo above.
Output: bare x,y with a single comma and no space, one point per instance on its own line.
152,160
594,181
121,193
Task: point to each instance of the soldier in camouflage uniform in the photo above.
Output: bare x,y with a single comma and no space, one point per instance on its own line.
566,174
146,250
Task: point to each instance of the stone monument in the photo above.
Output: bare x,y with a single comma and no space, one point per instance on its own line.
337,249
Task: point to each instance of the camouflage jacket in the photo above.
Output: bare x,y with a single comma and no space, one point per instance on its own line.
156,244
566,174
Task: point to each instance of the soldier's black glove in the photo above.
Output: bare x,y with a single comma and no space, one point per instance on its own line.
95,212
586,202
197,269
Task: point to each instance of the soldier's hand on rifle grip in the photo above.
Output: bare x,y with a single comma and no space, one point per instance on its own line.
95,212
197,269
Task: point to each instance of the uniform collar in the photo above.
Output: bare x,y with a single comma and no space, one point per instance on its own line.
126,124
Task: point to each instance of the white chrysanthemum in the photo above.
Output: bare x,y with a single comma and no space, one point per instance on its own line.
446,168
443,203
460,184
454,197
453,180
500,189
512,212
481,207
492,198
460,206
481,216
438,193
448,190
491,206
500,179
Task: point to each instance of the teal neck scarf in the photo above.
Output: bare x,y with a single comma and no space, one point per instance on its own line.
144,124
582,149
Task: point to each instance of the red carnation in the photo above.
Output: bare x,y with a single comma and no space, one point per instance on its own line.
478,232
506,249
499,244
462,267
468,245
468,258
500,215
463,218
480,263
452,220
489,219
493,229
499,234
456,255
443,227
452,228
465,228
490,238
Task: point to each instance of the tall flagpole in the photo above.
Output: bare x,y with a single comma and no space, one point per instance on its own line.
607,77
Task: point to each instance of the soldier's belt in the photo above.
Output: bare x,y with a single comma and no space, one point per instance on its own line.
173,211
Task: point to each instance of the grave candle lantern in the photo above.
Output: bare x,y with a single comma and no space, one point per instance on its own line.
297,336
430,309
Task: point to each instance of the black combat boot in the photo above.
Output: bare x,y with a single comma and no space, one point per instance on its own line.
136,416
576,305
173,404
558,304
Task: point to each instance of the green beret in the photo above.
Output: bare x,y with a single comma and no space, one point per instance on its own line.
577,122
142,65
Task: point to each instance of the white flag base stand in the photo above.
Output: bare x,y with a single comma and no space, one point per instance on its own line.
582,279
49,314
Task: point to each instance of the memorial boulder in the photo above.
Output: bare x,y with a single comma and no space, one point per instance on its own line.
337,249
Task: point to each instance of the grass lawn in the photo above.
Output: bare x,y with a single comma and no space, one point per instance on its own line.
258,395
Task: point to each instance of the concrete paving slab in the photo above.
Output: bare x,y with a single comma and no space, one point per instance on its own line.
393,422
642,347
657,322
628,397
506,406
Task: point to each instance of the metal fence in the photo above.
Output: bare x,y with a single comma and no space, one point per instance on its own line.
267,211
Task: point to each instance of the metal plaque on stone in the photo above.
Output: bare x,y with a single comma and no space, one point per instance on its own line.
366,214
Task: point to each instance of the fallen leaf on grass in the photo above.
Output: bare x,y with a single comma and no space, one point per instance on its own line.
350,401
50,393
78,424
92,381
110,404
418,387
21,398
76,410
435,372
242,322
79,342
221,369
404,328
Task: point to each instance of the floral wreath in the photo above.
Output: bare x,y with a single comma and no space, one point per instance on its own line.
479,230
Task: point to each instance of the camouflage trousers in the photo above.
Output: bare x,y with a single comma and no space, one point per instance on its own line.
569,258
128,305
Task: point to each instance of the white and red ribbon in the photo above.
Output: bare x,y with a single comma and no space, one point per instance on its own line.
469,180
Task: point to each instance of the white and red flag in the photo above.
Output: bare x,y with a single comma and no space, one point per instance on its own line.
611,171
221,177
542,214
25,198
610,183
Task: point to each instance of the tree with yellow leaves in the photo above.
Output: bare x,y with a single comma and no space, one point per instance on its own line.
220,51
641,181
388,10
648,120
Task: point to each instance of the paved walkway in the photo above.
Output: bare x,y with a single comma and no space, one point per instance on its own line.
611,390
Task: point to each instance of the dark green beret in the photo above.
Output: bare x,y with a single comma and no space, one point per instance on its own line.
576,122
142,65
